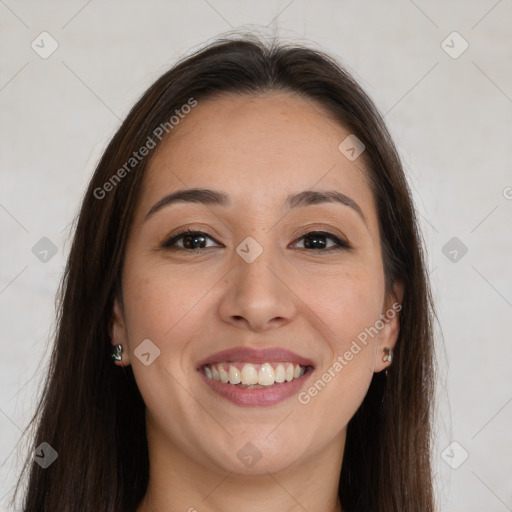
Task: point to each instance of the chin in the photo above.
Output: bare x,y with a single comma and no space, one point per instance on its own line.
258,457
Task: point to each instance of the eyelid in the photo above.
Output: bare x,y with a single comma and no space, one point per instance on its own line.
178,234
319,228
341,242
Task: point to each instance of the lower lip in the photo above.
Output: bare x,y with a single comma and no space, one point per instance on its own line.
257,397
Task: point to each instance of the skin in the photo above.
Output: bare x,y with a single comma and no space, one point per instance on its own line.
191,304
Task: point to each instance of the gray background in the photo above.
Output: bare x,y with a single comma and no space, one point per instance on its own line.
451,118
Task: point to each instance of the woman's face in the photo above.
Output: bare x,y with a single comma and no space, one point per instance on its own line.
274,268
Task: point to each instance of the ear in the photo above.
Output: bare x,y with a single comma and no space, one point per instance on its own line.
390,318
118,333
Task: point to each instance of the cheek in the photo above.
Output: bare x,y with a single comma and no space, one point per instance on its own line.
157,308
169,308
160,301
347,303
349,306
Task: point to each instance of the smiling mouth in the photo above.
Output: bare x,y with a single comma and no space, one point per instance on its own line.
254,376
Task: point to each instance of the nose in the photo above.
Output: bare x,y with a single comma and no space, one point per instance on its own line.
258,296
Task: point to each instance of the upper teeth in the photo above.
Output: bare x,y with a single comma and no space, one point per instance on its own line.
264,374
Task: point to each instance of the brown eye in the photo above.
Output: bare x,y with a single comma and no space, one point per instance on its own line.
196,240
319,240
190,239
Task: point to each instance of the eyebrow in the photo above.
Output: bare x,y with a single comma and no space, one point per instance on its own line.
217,198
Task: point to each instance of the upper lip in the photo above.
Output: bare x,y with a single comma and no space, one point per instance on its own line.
256,356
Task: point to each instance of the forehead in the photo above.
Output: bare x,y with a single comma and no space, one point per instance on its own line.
258,149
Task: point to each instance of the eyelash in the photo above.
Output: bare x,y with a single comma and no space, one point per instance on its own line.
170,243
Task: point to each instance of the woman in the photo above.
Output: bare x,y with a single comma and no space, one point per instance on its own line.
245,317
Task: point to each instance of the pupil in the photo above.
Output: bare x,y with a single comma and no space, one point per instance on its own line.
311,241
190,240
316,239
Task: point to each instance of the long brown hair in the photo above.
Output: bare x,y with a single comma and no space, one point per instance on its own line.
91,411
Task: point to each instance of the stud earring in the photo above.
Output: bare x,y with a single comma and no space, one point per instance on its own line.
388,356
116,353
